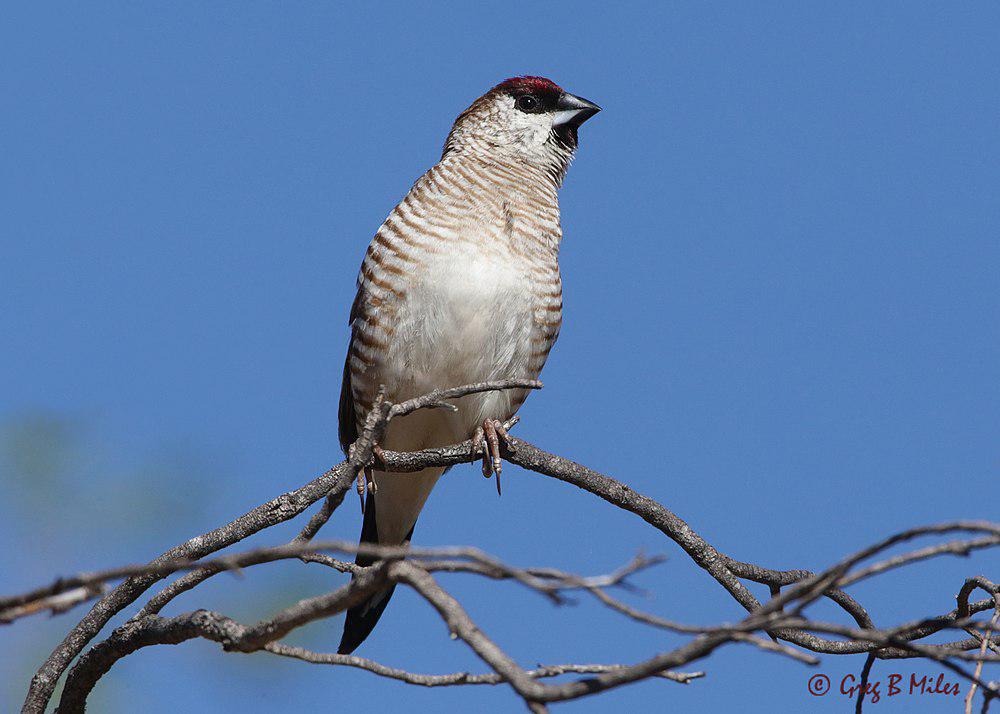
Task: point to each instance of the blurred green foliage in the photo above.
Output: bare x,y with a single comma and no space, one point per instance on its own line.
77,499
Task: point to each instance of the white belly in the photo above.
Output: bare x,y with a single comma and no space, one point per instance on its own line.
468,320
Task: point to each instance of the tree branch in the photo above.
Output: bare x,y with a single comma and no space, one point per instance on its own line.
781,617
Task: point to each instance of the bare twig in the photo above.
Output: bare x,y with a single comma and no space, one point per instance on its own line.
548,581
988,692
456,678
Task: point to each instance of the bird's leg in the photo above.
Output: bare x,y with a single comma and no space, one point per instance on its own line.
379,461
360,479
487,439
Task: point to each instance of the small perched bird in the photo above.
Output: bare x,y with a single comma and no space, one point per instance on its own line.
459,285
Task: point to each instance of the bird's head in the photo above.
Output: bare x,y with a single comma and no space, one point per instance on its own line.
530,119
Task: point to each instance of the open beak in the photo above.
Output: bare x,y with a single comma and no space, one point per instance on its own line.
573,110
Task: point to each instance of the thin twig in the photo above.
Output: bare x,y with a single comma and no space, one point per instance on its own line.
986,637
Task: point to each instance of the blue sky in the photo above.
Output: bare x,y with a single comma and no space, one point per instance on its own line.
781,312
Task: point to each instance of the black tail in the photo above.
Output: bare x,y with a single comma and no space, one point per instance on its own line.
361,619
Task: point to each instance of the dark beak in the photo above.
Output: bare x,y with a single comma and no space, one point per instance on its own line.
573,110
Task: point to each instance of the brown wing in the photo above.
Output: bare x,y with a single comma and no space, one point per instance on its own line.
347,415
348,425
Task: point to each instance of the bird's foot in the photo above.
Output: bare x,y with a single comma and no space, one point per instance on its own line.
487,440
360,479
366,475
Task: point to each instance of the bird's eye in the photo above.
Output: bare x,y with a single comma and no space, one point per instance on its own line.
527,103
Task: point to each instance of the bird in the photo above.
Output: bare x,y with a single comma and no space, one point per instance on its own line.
459,285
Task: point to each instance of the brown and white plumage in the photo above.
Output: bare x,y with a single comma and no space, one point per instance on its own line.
460,284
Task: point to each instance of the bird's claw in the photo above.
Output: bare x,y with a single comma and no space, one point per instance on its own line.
486,440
